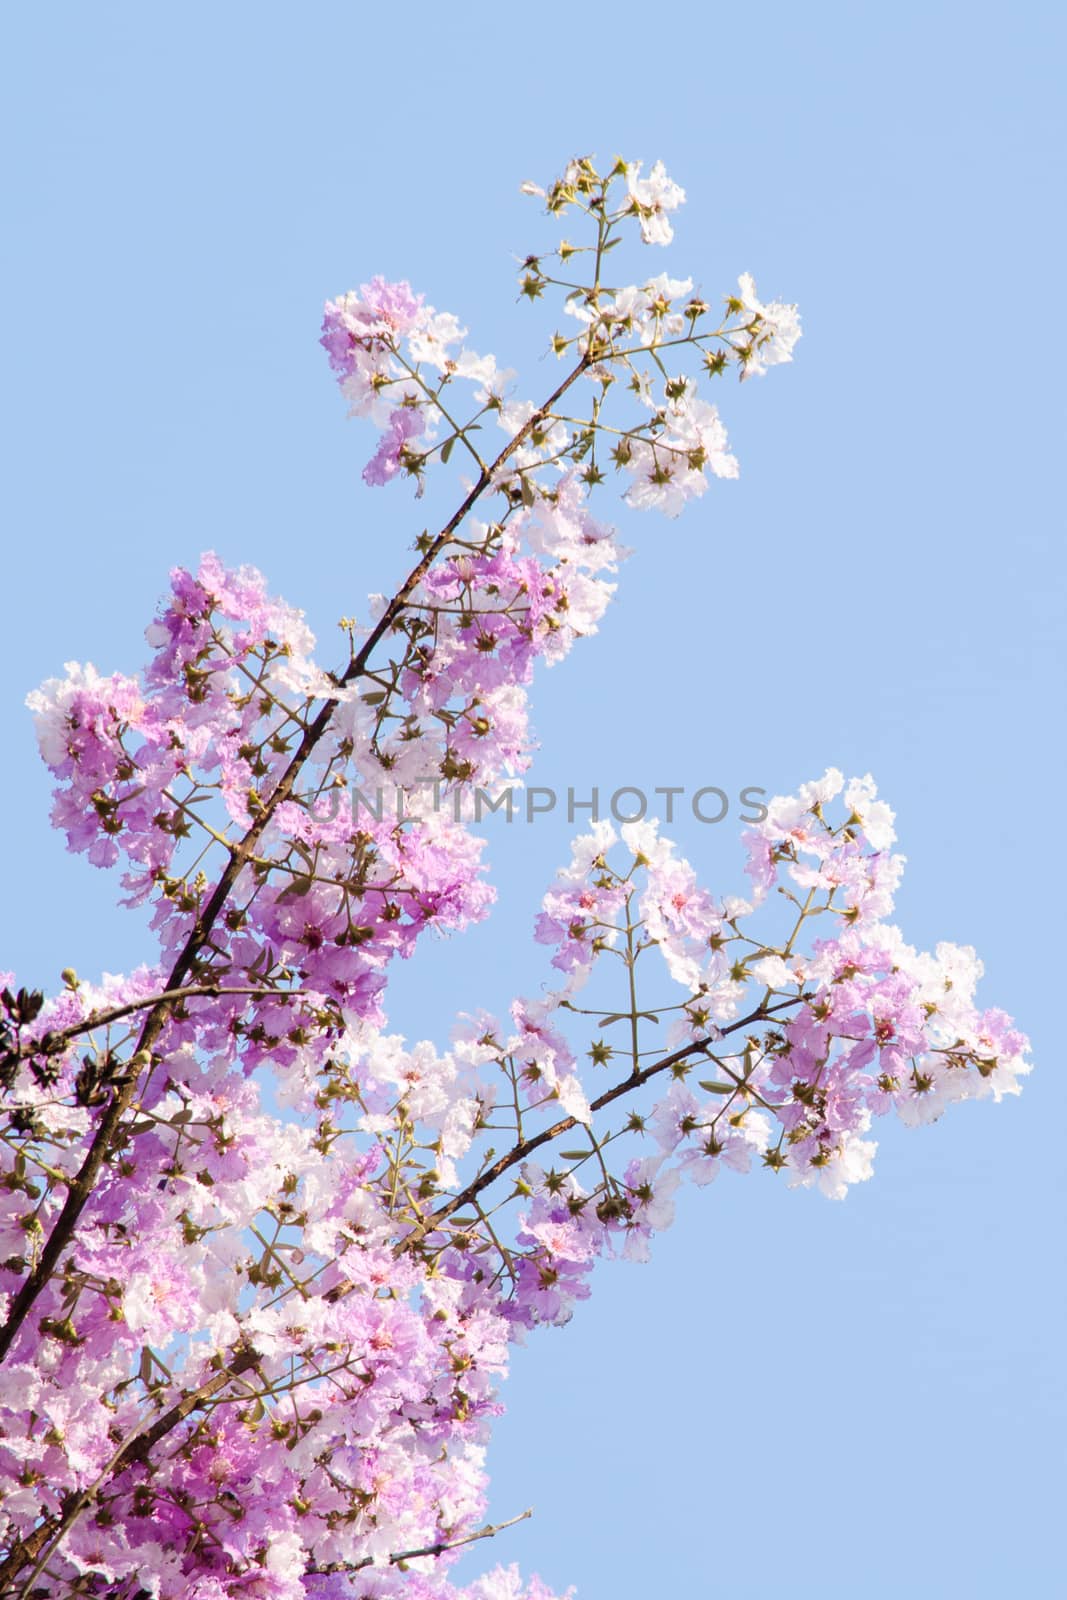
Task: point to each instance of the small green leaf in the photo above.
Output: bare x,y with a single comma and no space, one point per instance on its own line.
299,887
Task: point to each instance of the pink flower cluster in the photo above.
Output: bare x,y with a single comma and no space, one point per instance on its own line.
164,770
397,360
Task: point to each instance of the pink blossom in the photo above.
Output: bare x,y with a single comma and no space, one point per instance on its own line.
405,423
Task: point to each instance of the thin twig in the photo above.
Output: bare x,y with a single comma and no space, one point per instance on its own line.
488,1532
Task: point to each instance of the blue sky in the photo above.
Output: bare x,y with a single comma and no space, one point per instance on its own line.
795,1396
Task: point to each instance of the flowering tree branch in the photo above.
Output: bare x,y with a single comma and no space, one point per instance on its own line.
637,1079
253,1343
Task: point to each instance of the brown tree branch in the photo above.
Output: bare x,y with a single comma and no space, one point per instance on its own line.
50,1044
488,1532
636,1080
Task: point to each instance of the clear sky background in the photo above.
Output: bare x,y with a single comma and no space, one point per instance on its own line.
796,1397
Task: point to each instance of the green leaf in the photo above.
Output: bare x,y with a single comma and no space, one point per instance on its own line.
299,887
304,853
